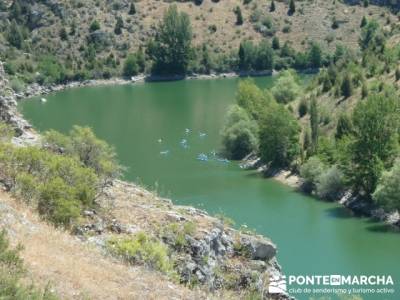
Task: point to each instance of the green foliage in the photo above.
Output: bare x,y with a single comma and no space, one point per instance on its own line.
292,7
387,192
131,67
303,107
239,17
310,172
314,125
397,74
346,86
92,152
51,71
239,135
315,56
287,87
142,249
95,25
15,37
344,126
118,26
275,43
363,22
272,6
330,184
132,9
177,232
252,99
171,49
279,136
374,144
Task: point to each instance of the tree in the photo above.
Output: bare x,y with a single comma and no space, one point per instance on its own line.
118,26
346,87
363,22
292,7
171,49
252,99
279,137
272,6
310,172
315,56
63,34
330,184
239,135
265,57
239,17
374,144
275,43
314,122
131,66
132,9
397,74
344,126
15,37
303,107
387,192
286,88
95,25
247,55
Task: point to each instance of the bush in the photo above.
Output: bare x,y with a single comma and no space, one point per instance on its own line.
17,85
330,184
131,67
303,107
95,25
387,192
287,88
310,172
239,135
142,249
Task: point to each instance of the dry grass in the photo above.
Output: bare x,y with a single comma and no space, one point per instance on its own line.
77,270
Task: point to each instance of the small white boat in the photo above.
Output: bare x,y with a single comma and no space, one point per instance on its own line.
202,134
43,100
187,130
166,152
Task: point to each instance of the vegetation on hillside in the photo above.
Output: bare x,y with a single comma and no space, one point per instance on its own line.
345,134
60,178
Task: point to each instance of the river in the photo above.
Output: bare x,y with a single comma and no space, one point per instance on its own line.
145,121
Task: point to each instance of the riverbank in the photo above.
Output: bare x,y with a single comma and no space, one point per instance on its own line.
357,205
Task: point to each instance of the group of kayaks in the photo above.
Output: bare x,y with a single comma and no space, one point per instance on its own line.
201,156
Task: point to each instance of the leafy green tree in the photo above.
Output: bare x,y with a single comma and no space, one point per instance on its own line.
131,66
272,6
387,192
265,57
286,88
310,172
252,99
330,184
315,56
239,135
314,124
171,50
279,137
239,16
247,55
374,144
292,7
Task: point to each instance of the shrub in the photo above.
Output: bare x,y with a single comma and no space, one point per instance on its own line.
239,17
330,184
310,172
131,67
397,74
286,89
17,85
95,25
239,135
387,192
303,107
142,249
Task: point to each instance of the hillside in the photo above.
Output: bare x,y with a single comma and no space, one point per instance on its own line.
62,29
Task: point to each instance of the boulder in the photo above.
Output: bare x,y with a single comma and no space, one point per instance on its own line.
258,248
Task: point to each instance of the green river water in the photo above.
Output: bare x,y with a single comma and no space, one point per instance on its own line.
313,237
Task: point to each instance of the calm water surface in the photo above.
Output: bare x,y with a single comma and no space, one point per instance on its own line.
313,237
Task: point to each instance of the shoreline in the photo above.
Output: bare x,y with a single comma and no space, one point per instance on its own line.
355,204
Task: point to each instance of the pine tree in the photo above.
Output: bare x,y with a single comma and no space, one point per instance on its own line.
363,22
118,26
347,86
132,9
15,37
272,7
314,121
275,43
397,74
292,7
239,16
